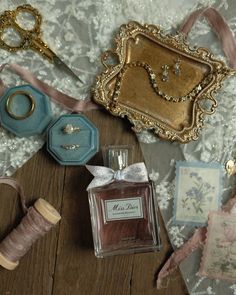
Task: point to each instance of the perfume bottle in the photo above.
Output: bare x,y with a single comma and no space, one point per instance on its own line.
122,206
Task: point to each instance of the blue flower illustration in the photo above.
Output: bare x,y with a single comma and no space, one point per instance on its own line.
193,174
199,193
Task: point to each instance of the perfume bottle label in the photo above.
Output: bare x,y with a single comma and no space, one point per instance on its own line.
121,209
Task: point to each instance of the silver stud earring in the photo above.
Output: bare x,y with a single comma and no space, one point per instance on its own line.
165,73
177,67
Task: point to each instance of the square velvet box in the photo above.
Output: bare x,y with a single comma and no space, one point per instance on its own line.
72,140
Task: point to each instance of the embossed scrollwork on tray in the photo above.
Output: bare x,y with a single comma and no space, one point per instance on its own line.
141,82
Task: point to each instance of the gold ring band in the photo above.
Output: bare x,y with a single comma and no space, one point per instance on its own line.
9,104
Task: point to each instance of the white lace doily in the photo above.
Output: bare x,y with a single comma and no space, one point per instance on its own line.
78,31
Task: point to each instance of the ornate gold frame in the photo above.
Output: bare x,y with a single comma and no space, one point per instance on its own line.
135,98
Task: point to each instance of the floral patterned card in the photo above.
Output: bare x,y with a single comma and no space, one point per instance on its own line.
197,191
219,254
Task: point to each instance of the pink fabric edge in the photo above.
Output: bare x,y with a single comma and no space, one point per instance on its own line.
198,239
220,27
15,184
201,271
66,101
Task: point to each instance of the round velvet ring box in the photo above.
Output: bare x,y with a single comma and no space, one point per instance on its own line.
25,111
72,140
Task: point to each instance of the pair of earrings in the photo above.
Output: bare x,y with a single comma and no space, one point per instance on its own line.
176,70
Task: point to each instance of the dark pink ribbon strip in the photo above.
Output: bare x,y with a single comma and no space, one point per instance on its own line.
13,183
197,240
63,99
220,27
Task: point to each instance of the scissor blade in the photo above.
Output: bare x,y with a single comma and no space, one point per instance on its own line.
65,68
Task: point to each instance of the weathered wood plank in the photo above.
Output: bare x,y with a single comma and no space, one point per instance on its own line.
40,177
63,262
77,269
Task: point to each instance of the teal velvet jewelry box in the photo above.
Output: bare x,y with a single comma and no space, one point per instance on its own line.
72,140
25,111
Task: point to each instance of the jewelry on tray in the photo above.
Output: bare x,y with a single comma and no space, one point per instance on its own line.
152,76
165,73
177,67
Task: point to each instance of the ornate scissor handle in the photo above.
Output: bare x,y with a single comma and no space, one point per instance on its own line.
9,20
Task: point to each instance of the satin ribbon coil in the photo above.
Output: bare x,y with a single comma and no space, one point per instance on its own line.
102,175
39,219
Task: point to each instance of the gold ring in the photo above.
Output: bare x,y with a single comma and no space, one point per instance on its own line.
9,104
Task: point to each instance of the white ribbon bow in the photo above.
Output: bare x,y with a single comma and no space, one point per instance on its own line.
102,175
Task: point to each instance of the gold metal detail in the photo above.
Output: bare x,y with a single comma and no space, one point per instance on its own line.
30,38
133,87
230,167
153,79
9,103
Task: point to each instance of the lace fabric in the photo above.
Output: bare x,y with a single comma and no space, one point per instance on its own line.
78,31
216,143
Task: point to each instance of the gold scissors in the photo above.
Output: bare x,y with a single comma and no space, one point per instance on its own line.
29,38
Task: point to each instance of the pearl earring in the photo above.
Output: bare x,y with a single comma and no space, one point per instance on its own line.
177,67
165,73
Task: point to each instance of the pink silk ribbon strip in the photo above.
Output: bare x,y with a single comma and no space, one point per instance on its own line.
13,183
228,41
220,27
180,254
63,99
190,246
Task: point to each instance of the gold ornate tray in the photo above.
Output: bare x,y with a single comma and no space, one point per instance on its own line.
159,82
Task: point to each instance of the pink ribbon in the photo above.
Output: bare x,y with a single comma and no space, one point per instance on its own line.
180,254
226,37
220,27
103,175
63,99
190,246
215,19
13,183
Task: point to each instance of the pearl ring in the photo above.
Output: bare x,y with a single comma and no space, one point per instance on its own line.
69,129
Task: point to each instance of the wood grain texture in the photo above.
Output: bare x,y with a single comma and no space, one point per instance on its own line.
63,262
40,177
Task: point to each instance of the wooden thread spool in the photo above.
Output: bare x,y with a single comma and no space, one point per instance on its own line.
49,214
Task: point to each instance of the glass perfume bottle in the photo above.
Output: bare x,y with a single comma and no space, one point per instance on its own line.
124,211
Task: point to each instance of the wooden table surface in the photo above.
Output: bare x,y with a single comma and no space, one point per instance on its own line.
63,262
